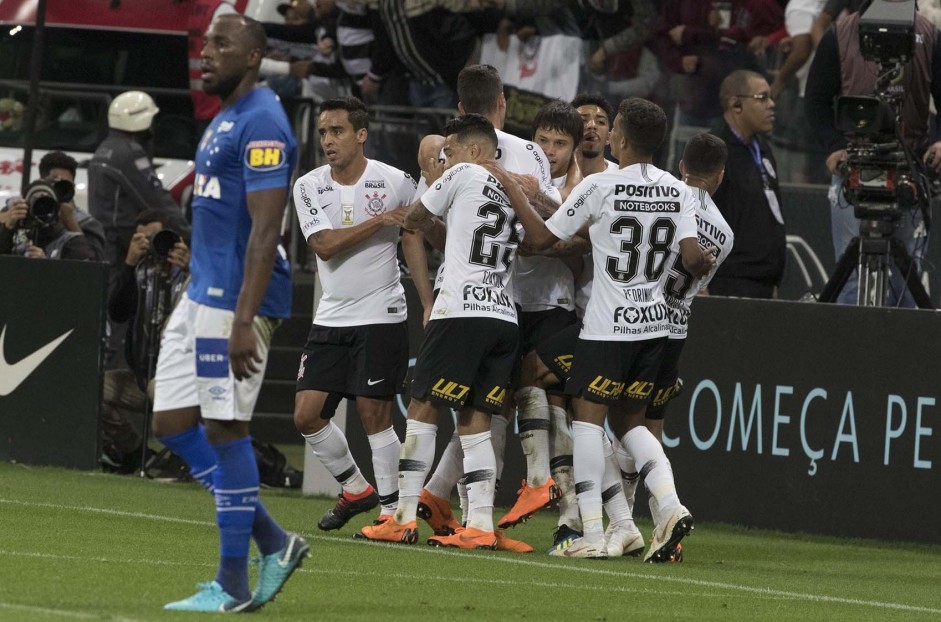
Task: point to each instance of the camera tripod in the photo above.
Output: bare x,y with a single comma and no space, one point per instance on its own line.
869,254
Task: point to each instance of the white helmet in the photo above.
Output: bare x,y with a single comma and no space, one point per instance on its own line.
132,111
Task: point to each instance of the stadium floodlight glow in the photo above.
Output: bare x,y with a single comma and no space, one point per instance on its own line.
15,30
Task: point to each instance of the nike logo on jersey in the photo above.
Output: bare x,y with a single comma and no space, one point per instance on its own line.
372,382
12,376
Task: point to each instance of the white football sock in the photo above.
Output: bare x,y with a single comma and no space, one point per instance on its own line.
612,494
588,441
653,466
560,446
385,447
498,425
480,478
533,406
415,459
331,448
629,474
450,469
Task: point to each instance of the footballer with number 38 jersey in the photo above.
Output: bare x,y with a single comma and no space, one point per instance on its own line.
636,217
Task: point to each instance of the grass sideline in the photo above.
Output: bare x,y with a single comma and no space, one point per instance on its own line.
88,546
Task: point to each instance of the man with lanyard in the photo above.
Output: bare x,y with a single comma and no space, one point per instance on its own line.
748,197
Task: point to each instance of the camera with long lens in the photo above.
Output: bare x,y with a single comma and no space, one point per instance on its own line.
43,204
881,174
162,242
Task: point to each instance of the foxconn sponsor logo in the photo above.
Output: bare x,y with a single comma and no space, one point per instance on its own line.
634,315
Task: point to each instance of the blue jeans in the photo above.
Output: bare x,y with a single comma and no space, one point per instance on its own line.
431,95
844,227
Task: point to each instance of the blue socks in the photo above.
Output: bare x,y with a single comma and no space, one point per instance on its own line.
236,492
230,463
194,447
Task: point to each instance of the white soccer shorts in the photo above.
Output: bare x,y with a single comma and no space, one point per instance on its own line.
193,365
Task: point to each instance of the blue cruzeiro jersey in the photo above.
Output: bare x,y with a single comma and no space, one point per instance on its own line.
249,147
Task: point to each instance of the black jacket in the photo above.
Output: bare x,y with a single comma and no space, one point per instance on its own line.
760,245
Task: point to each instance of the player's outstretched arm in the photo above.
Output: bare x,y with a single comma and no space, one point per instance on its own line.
265,208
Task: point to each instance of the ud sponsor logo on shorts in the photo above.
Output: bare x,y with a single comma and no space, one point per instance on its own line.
496,396
565,361
639,389
606,387
449,390
264,155
664,395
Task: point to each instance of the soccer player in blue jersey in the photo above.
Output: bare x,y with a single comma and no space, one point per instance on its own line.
215,346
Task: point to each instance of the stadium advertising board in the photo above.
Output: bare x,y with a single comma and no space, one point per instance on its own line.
52,320
809,417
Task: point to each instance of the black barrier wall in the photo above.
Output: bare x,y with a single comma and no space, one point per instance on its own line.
52,318
810,417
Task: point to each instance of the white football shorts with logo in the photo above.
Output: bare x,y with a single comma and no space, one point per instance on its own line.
193,365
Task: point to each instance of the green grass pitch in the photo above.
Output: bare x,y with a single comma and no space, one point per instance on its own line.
83,546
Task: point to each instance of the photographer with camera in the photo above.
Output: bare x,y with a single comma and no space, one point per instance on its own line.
154,275
37,226
61,167
861,57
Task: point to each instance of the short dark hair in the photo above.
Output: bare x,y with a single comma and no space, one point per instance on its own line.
735,84
478,87
594,99
359,118
643,123
472,125
705,155
171,220
57,159
561,117
253,29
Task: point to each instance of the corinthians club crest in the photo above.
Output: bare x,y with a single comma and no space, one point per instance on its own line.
374,204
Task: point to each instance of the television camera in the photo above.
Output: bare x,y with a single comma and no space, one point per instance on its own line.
882,177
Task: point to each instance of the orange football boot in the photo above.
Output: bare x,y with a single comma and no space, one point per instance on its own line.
531,499
506,543
437,513
466,538
385,529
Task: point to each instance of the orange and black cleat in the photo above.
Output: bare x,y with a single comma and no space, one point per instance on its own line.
385,529
531,499
437,513
466,538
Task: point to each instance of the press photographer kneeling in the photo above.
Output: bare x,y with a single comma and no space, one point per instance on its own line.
42,224
155,274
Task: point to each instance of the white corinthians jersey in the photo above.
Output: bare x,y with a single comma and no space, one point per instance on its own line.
636,216
679,286
584,278
480,248
524,157
544,283
541,283
361,285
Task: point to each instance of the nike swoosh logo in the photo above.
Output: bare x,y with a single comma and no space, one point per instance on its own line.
374,382
12,376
